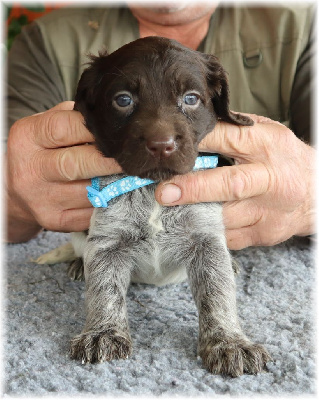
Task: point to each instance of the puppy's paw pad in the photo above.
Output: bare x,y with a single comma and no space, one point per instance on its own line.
235,358
93,347
76,270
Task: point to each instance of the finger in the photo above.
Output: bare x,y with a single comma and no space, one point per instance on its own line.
238,239
248,236
228,139
238,214
74,220
65,105
258,234
237,182
238,141
59,128
72,194
74,163
260,119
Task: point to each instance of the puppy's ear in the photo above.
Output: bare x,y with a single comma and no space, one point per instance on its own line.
218,84
90,79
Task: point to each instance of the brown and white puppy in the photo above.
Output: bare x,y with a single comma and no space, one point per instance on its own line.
148,105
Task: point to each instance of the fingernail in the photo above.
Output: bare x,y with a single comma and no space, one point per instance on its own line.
170,193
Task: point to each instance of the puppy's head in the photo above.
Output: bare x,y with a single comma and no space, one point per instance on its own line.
151,102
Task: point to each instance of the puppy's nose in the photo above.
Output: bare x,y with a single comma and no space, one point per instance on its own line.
161,148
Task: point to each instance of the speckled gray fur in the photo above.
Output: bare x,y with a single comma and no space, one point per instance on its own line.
148,105
135,239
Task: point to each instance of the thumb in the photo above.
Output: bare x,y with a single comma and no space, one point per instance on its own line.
242,143
237,182
65,105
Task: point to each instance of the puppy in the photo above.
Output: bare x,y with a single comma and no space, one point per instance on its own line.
148,105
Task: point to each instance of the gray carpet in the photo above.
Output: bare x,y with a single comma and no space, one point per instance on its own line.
45,310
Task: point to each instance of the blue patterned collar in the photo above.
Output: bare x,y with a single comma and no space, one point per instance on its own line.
129,183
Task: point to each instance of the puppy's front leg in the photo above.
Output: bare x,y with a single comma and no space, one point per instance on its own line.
222,346
107,276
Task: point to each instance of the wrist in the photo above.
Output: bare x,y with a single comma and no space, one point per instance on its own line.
19,231
307,224
307,215
20,224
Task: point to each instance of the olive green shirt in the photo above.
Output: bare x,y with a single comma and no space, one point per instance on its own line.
267,51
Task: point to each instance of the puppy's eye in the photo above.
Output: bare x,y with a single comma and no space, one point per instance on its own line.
123,100
191,99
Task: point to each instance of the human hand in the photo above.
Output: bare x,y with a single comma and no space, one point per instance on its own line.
50,159
268,195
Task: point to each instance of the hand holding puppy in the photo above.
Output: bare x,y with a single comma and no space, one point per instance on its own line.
268,195
50,158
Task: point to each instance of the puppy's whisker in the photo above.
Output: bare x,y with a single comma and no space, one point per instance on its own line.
122,73
112,73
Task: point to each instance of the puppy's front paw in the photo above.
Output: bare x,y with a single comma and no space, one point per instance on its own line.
92,347
234,357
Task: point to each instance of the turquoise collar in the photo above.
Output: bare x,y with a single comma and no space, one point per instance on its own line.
129,183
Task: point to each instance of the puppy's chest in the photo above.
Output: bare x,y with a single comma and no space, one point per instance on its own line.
157,262
148,231
137,214
155,222
156,241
